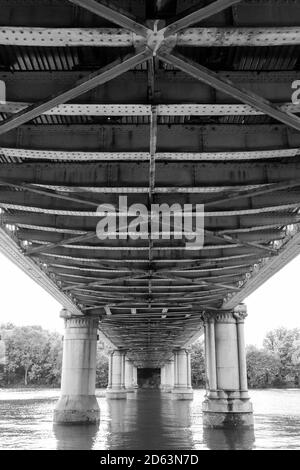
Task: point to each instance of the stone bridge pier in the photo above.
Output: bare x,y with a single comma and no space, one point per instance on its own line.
226,403
78,403
122,376
167,376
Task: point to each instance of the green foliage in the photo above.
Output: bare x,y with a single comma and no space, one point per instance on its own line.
102,369
33,355
198,364
263,368
277,364
283,343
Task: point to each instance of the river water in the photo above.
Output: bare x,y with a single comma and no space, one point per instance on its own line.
151,421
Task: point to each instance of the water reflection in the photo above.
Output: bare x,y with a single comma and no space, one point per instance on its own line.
152,421
73,437
229,439
118,427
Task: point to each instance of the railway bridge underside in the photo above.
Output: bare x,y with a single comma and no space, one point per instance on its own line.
112,108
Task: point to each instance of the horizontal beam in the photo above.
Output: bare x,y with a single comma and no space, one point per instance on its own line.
56,190
76,177
182,248
219,213
73,225
173,85
237,197
174,138
53,234
228,37
145,110
66,37
112,264
161,289
116,37
18,154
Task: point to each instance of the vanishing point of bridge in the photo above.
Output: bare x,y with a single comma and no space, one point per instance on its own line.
166,102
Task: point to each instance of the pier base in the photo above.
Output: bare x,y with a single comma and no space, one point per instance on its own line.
80,409
178,394
78,403
227,413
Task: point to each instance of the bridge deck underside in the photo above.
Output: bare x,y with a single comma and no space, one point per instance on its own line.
154,134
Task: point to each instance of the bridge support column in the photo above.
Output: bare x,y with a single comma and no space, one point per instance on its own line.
182,375
129,385
167,385
116,381
135,379
163,377
227,403
78,403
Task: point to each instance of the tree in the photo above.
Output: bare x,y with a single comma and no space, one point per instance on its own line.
32,354
263,368
24,350
198,364
101,369
7,326
284,343
52,359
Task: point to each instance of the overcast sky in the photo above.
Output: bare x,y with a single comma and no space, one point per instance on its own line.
274,304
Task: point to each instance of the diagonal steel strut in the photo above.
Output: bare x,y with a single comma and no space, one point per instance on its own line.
226,86
82,86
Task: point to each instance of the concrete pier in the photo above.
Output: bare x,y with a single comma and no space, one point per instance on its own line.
129,378
116,383
182,375
167,376
227,402
78,403
162,377
135,378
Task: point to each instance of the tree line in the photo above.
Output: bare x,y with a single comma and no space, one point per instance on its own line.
30,355
276,364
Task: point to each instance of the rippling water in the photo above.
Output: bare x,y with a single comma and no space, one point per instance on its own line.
150,422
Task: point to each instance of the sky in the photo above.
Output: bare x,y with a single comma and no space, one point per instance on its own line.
274,304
